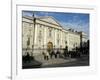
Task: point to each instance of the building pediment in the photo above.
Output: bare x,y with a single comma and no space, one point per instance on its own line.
50,20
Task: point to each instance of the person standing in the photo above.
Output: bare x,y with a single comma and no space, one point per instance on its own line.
46,55
65,51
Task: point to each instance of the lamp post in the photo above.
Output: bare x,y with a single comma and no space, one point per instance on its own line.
34,21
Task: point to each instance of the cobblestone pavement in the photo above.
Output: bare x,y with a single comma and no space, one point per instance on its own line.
53,61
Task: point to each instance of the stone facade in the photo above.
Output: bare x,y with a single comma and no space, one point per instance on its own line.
44,31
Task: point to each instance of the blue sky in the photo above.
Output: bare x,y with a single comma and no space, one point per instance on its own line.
76,21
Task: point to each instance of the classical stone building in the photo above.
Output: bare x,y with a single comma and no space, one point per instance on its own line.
45,32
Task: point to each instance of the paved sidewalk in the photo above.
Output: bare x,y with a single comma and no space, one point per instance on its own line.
53,61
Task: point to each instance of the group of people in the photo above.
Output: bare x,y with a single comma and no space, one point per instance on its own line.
27,58
49,54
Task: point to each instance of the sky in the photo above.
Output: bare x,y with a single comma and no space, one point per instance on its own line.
76,21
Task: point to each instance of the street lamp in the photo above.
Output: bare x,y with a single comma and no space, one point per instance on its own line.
34,21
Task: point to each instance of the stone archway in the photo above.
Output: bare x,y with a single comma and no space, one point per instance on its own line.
49,46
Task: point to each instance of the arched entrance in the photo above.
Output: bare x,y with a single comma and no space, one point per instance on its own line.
49,46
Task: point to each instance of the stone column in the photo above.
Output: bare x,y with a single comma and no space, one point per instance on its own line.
61,38
45,36
55,38
36,34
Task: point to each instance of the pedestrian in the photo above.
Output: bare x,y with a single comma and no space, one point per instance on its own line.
65,55
52,53
27,57
66,51
55,51
57,54
46,55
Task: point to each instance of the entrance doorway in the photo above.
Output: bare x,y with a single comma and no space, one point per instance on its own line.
49,46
